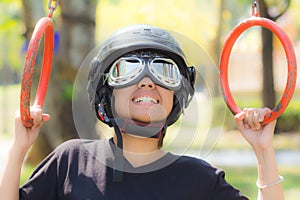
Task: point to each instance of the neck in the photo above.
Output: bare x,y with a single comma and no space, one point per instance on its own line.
137,144
140,151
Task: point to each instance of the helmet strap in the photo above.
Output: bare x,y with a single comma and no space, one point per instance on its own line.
119,157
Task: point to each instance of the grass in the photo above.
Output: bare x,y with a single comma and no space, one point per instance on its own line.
244,178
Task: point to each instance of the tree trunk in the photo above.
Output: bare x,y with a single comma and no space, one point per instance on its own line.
217,39
217,49
76,28
32,12
268,92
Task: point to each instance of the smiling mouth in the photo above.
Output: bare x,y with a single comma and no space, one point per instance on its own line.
145,100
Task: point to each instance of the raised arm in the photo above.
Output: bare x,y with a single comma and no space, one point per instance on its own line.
22,141
260,138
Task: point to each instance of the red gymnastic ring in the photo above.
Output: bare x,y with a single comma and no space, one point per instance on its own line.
291,62
44,27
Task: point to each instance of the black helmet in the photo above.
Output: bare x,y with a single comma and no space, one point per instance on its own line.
126,40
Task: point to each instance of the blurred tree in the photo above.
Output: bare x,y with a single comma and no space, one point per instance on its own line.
10,39
75,26
272,10
217,43
217,39
32,11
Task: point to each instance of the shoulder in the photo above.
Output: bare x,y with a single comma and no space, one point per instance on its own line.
79,146
208,176
80,143
198,166
193,162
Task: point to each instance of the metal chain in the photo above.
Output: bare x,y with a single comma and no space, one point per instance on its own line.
52,5
255,8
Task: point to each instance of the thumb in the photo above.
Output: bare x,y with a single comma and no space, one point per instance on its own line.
45,117
239,120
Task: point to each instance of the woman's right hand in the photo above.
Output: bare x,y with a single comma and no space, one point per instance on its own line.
24,137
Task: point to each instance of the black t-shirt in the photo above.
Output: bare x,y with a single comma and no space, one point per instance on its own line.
80,170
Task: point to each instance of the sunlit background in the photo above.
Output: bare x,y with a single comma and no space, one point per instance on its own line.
198,20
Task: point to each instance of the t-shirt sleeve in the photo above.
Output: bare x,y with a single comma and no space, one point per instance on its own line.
46,180
223,190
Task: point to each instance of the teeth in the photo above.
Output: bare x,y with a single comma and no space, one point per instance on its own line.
145,99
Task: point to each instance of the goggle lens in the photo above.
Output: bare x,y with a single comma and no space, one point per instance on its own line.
166,70
125,67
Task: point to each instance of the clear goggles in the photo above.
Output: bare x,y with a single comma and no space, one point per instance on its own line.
129,70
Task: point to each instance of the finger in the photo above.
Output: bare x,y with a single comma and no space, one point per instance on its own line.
45,117
36,115
36,106
263,113
17,114
239,120
255,119
245,110
249,118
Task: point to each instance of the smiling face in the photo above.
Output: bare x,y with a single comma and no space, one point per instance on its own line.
144,102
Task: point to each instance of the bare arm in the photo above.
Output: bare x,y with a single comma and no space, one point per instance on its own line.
22,141
260,138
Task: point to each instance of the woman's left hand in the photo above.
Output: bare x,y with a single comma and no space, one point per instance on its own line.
259,136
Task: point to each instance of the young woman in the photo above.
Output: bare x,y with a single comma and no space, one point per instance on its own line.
139,84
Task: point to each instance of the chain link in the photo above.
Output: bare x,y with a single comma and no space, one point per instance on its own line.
255,8
52,5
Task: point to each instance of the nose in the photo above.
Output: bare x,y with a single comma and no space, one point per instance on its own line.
146,83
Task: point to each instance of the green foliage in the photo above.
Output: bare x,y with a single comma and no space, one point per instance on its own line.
10,34
9,103
243,100
26,172
287,122
235,10
68,91
116,2
277,4
290,118
218,107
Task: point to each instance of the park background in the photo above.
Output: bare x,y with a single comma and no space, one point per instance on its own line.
207,23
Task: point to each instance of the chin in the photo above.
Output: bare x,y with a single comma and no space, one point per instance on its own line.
149,115
148,119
